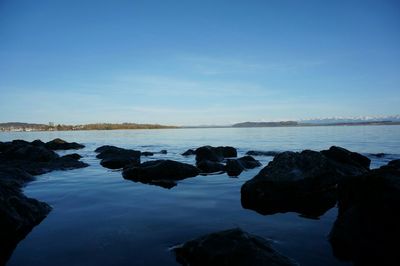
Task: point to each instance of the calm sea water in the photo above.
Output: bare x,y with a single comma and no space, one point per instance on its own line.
99,218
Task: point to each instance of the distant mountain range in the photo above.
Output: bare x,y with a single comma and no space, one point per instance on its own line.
360,119
335,121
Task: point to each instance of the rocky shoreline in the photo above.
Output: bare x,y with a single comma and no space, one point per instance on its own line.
20,161
308,182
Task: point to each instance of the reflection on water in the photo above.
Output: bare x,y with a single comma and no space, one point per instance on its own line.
101,219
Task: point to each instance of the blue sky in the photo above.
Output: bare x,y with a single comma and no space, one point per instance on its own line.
197,62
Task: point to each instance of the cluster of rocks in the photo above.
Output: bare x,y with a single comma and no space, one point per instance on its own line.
165,173
367,227
211,160
303,182
19,162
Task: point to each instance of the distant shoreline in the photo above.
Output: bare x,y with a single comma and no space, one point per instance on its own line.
25,127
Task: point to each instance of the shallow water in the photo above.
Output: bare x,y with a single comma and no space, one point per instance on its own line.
99,218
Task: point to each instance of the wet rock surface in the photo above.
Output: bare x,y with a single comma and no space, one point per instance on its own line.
230,247
19,161
36,159
367,227
234,167
160,172
215,154
59,144
207,166
303,182
116,158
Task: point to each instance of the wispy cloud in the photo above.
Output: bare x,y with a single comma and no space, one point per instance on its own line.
217,65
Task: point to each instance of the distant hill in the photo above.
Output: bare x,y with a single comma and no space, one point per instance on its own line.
18,126
267,124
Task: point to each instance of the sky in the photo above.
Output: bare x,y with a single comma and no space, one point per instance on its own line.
197,62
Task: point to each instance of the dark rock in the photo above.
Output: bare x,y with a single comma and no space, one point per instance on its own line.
38,142
112,151
28,152
189,152
18,215
215,154
36,160
160,172
59,144
118,162
301,182
367,227
148,153
207,166
262,153
394,164
235,167
115,157
73,156
230,248
344,156
19,160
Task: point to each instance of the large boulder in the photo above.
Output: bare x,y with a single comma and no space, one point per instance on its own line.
232,247
160,172
115,157
215,154
59,144
235,167
367,228
303,182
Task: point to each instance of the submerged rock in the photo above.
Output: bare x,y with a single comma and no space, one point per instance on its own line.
232,247
301,182
115,157
160,172
235,167
215,154
262,153
59,144
367,228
